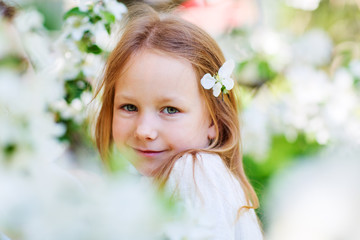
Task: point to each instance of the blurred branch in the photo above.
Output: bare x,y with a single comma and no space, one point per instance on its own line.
344,53
8,12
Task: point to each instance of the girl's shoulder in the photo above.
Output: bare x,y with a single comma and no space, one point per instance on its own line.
209,190
204,175
206,163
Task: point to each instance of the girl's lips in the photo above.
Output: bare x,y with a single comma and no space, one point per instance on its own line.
148,153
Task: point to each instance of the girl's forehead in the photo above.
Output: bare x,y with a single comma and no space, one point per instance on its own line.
151,62
153,73
162,56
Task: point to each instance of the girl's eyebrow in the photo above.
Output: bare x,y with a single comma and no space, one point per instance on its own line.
162,99
172,99
124,96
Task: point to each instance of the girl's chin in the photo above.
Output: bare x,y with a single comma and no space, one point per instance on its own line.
145,169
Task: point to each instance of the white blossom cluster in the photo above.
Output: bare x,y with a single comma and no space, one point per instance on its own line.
317,198
308,5
308,99
89,33
42,201
26,89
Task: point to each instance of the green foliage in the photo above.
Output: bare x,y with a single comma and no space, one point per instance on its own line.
13,61
93,48
108,16
75,87
347,56
79,140
281,155
86,44
241,66
108,28
10,149
118,160
340,19
52,11
357,83
265,71
74,12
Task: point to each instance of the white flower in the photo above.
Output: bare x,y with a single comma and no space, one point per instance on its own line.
78,27
116,8
217,89
208,81
309,85
223,78
38,49
102,37
309,188
29,20
267,40
84,5
271,43
307,5
355,68
92,66
314,47
255,132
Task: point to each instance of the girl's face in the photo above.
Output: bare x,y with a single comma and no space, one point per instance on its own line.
158,110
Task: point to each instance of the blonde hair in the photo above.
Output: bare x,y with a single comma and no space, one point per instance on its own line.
146,29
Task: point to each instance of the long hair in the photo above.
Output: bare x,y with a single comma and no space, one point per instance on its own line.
146,29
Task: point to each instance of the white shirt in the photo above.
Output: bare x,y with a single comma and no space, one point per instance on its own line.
212,195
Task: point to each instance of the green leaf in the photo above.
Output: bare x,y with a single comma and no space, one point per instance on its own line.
108,28
95,49
14,62
357,82
265,71
74,88
281,154
240,67
82,44
10,149
74,12
347,56
94,19
108,16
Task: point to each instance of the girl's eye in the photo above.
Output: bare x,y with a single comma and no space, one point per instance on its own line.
170,110
129,108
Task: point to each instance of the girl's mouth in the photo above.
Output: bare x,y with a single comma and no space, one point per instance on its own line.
149,153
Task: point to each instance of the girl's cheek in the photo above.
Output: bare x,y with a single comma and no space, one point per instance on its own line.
120,128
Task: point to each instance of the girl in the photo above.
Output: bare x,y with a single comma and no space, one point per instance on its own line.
157,102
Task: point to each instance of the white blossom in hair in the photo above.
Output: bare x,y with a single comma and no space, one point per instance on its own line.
222,81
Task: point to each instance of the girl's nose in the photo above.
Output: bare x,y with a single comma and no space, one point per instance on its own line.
146,130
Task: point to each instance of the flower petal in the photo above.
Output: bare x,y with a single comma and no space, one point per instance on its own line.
217,89
83,5
228,83
116,8
226,69
208,81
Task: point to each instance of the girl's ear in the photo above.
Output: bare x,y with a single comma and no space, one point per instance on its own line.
211,131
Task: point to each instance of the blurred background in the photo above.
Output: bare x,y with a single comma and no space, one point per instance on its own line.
298,65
